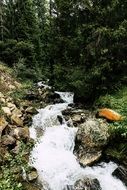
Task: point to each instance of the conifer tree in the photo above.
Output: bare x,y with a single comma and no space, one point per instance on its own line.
25,20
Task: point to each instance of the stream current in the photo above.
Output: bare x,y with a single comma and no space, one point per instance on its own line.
53,155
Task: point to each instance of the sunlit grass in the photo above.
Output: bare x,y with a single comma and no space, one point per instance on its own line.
117,102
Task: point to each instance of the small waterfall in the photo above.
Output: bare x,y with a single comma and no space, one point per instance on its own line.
66,97
53,155
103,173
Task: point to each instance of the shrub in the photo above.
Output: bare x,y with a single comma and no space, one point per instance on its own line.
11,51
7,53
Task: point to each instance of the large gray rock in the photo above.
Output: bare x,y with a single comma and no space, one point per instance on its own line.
91,137
86,184
77,116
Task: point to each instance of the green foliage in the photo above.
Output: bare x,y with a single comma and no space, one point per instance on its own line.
25,50
20,94
7,53
11,51
21,41
117,102
11,171
78,45
8,183
87,38
118,150
20,56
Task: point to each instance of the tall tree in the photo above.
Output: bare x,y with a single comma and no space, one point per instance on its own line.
1,20
25,20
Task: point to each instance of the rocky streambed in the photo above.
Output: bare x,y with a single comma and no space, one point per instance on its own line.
66,130
69,144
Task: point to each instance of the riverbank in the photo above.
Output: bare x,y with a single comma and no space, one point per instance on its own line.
19,102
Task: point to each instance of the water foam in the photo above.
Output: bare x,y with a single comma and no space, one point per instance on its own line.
53,155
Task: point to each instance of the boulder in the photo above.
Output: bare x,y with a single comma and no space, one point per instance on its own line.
11,106
9,99
32,95
86,184
32,175
77,116
16,120
31,110
91,137
109,114
121,173
17,112
6,110
8,140
20,132
11,87
50,96
90,157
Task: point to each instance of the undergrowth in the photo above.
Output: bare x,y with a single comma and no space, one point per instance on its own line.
19,94
117,102
12,170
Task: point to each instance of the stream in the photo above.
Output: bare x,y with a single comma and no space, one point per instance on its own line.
53,156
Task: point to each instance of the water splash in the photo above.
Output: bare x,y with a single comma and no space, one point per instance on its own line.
66,97
103,173
53,155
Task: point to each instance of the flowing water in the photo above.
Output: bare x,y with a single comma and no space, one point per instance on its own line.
53,155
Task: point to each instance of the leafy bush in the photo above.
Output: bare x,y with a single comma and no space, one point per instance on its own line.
7,53
23,72
10,179
11,51
25,50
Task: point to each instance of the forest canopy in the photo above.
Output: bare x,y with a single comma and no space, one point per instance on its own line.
80,45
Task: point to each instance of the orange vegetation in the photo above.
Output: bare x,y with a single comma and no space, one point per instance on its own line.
109,114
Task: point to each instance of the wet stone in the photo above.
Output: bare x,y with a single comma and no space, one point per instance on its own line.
121,173
85,184
32,176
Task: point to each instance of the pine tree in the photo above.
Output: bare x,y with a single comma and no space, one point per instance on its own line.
25,20
1,20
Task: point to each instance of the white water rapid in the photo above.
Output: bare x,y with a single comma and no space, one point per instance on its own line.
53,155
